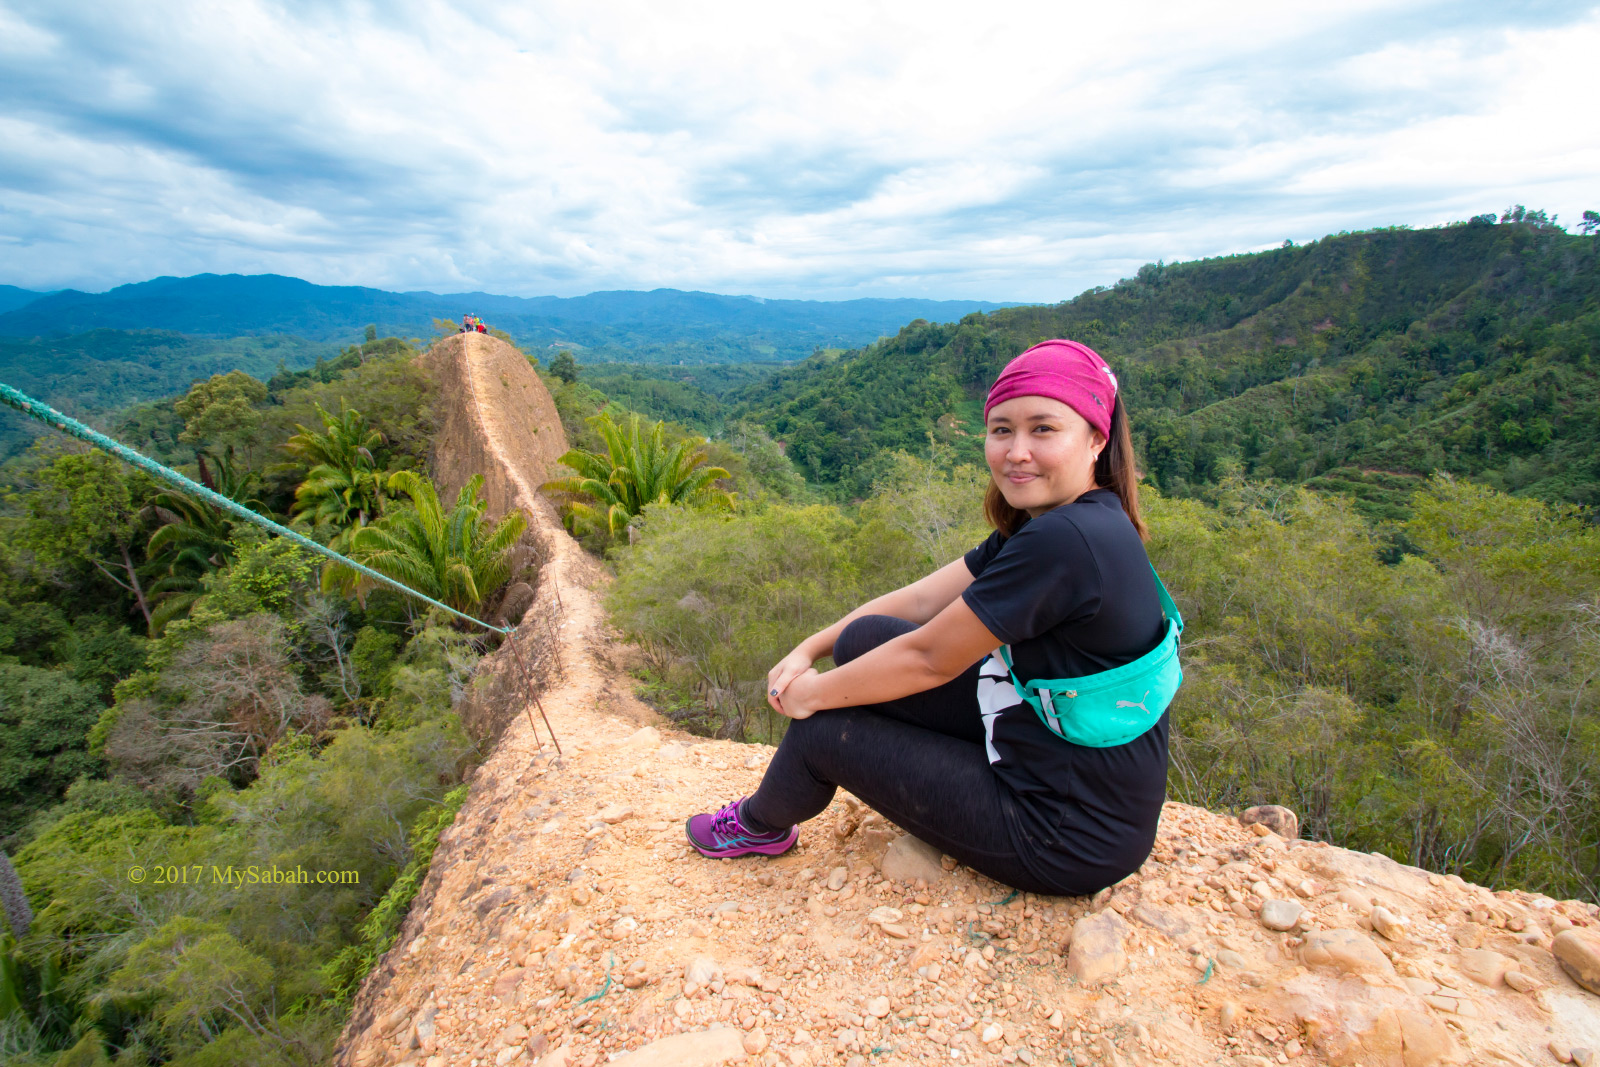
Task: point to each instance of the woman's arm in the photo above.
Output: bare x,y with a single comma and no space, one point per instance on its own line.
918,602
928,656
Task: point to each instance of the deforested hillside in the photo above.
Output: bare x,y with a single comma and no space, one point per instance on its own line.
481,379
1357,362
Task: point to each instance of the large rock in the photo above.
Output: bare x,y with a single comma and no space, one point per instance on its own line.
1388,924
1483,966
702,970
909,858
1096,953
1163,921
1350,1023
1350,951
647,738
927,953
1424,1040
508,981
1281,914
1578,952
1366,869
1275,817
706,1048
424,1027
1355,900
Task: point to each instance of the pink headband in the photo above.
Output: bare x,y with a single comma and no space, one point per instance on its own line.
1067,371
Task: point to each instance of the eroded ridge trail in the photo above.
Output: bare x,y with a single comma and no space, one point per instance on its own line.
565,922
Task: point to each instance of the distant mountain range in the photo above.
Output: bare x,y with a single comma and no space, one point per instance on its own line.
12,298
660,325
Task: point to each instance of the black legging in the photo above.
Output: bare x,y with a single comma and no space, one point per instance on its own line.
918,760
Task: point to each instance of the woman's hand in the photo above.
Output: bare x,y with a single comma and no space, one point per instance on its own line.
795,700
788,669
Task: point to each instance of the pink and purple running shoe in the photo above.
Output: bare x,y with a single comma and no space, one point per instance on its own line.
721,835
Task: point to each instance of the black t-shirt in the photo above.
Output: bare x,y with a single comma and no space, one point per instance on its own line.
1071,593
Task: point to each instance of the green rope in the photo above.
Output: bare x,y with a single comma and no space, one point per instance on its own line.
51,417
605,988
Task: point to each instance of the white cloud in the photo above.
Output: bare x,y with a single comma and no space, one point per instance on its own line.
1020,151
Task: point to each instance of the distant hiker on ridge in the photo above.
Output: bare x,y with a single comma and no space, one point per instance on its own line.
1009,708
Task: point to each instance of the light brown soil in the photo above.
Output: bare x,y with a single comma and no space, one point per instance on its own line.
564,921
496,419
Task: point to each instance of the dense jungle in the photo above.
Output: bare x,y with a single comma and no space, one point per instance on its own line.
192,713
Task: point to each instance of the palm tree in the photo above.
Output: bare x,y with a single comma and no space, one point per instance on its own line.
347,439
344,499
451,556
194,538
343,487
639,468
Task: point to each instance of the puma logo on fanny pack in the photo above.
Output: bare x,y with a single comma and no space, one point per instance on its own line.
1132,704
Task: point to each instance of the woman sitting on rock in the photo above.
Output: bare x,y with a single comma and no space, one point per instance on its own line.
923,719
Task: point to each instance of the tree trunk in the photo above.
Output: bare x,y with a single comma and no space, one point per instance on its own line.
138,590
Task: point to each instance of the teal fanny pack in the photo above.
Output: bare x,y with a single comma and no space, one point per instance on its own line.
1115,706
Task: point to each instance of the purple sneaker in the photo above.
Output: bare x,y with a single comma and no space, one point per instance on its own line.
720,835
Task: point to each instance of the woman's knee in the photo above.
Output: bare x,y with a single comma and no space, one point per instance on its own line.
813,732
862,635
817,739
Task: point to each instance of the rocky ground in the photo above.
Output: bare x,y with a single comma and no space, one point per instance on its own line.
565,923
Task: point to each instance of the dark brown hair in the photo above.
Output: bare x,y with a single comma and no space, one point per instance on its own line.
1114,470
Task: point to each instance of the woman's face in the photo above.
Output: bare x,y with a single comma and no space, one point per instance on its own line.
1041,452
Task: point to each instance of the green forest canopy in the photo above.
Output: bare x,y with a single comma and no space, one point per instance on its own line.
92,374
260,717
1362,362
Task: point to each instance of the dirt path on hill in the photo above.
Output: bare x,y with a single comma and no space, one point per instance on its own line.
564,921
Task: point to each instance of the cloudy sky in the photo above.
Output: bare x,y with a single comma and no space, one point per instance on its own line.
995,150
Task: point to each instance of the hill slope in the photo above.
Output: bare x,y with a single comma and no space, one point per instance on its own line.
92,374
661,324
12,298
1470,348
563,920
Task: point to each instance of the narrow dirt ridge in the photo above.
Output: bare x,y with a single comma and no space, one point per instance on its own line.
565,923
495,419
